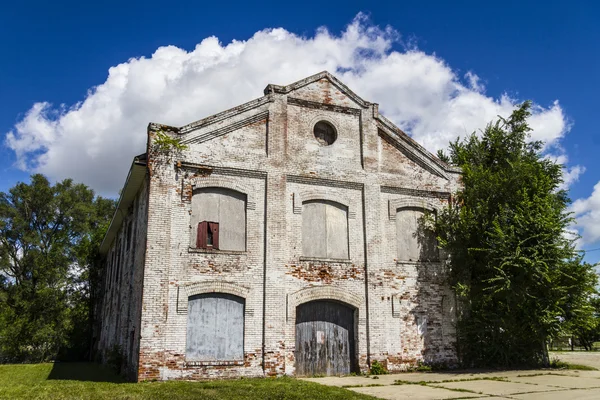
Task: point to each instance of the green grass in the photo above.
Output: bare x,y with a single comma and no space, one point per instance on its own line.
557,363
90,381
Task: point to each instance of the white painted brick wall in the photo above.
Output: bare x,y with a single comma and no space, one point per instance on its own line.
272,162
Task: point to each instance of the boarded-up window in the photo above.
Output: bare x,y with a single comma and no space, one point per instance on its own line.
324,229
224,208
415,241
215,328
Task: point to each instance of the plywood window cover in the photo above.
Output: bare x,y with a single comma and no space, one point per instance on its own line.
300,197
224,362
321,200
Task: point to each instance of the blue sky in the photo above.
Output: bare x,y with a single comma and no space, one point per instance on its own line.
483,56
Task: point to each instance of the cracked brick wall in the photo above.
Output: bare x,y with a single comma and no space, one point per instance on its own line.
266,149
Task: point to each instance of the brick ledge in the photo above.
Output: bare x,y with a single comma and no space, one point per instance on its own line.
210,251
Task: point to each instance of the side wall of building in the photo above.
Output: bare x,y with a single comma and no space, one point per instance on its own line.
122,289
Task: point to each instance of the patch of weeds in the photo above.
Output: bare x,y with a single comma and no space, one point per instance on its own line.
490,378
540,374
425,383
377,368
423,368
420,383
163,143
558,364
359,386
457,389
374,377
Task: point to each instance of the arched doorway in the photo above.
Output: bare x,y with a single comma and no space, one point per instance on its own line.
325,338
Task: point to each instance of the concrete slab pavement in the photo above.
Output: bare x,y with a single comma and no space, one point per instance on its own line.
521,385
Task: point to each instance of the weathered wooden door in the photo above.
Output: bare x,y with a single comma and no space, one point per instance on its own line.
324,339
215,330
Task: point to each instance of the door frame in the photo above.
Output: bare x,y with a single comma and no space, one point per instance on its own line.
346,296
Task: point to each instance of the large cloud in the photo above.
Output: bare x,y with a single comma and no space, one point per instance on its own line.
587,213
93,141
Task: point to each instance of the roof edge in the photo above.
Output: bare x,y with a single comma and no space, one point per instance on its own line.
401,135
271,88
211,119
130,188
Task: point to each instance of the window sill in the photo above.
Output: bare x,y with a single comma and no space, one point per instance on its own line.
214,363
214,251
327,260
420,262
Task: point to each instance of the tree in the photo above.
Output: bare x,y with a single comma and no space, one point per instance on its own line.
584,324
47,235
515,270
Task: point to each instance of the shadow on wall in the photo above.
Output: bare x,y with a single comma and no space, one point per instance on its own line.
434,311
89,372
426,238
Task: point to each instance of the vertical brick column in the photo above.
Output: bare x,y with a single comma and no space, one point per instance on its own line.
274,290
156,270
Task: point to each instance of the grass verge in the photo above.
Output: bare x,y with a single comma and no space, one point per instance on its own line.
558,364
90,381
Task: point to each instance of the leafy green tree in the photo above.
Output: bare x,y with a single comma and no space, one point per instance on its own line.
48,234
517,276
584,324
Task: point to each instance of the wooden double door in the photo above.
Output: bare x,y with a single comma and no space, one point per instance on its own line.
325,339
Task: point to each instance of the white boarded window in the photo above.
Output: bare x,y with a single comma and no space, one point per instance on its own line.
324,229
415,242
227,209
215,328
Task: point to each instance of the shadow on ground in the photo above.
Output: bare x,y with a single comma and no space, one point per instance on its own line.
89,372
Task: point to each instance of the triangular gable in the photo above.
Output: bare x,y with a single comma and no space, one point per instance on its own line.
313,79
392,133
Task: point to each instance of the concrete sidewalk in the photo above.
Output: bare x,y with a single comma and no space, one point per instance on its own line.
530,384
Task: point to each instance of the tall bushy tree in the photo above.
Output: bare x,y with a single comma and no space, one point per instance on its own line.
47,237
515,270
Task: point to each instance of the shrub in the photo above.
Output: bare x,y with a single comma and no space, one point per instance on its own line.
377,368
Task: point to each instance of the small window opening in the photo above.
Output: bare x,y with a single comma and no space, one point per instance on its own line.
324,133
208,235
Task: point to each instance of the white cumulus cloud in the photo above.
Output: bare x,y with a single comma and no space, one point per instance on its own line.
587,213
94,140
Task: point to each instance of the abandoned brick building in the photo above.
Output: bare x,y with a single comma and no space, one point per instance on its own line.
283,238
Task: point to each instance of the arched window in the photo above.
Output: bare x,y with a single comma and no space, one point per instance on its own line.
324,229
415,242
215,328
218,219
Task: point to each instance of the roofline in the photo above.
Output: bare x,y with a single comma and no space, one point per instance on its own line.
271,88
404,140
401,135
132,184
211,119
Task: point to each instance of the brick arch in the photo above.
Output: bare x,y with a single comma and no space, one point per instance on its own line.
424,204
194,288
308,195
321,293
224,182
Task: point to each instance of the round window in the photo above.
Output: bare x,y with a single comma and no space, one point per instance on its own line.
325,133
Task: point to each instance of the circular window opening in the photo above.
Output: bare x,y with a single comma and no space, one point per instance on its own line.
325,133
